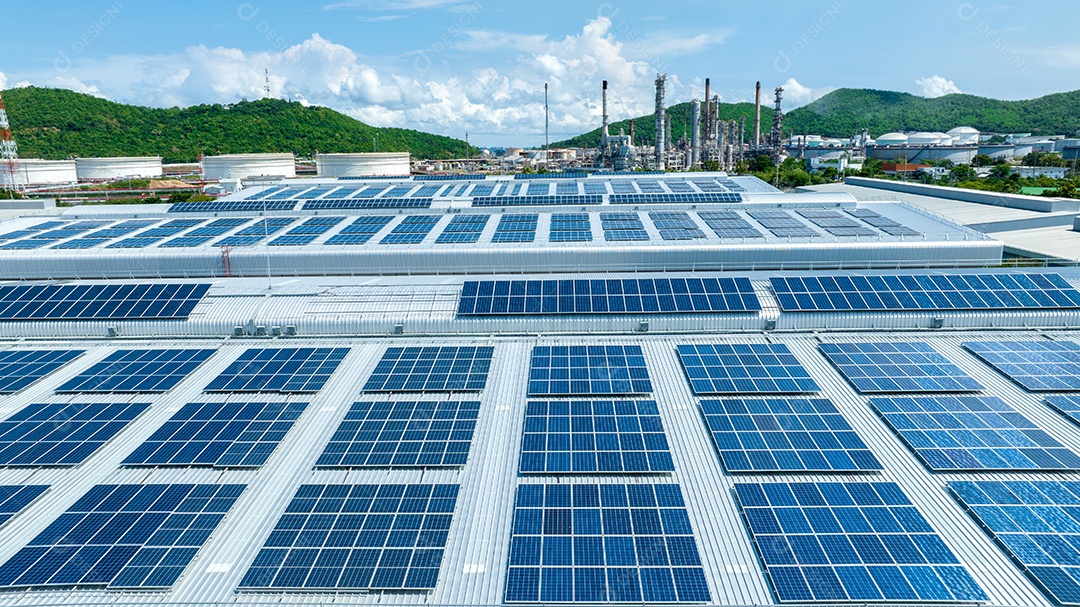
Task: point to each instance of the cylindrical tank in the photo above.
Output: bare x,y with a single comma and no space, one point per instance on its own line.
242,166
892,139
34,172
964,135
360,164
96,169
924,138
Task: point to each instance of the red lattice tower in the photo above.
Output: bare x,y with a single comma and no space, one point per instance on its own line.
9,152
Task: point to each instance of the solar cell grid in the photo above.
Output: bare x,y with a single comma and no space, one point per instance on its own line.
286,370
60,434
186,242
412,229
20,368
784,435
728,224
782,224
26,245
122,536
588,370
99,302
516,227
402,434
623,436
608,543
684,198
14,498
431,369
78,243
850,542
570,227
139,242
463,228
744,368
1038,366
293,241
885,224
232,205
897,367
219,435
323,204
218,226
137,371
357,537
1067,405
972,433
531,200
264,227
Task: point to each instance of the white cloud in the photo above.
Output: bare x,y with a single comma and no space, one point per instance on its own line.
3,80
937,86
797,94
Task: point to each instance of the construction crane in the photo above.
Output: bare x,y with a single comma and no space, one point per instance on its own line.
9,152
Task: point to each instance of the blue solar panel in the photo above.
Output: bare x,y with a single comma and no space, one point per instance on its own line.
293,241
1038,366
433,369
219,226
367,224
137,371
279,370
122,536
784,435
614,296
137,242
26,245
265,227
589,544
850,542
367,203
885,224
61,434
552,175
15,498
450,177
675,225
99,302
20,368
239,241
674,198
836,223
729,224
1035,524
463,228
184,242
972,433
587,370
744,369
402,433
219,435
1067,405
78,243
594,436
357,537
412,230
516,227
233,205
621,227
925,292
783,224
883,367
570,227
536,199
315,226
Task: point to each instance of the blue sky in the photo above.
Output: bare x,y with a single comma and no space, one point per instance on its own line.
479,66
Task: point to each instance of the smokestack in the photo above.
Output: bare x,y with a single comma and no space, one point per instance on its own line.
757,114
631,132
695,133
742,130
604,128
708,109
667,132
659,110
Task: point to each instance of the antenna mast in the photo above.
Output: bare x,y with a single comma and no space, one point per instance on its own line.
9,152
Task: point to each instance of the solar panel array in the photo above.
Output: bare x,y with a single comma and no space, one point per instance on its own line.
729,224
219,435
463,228
412,230
924,292
850,542
59,434
532,200
100,302
432,369
286,370
361,230
516,227
784,435
744,368
1035,523
836,223
357,537
1038,366
897,367
675,225
628,296
972,433
137,371
591,436
338,204
621,227
1067,405
674,198
402,433
588,370
885,224
233,205
122,536
20,368
608,543
14,498
782,224
570,227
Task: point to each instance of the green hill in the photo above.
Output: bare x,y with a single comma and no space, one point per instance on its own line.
57,123
845,112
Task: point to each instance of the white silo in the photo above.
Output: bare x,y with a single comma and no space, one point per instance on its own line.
99,169
924,138
36,172
393,164
964,135
243,166
892,139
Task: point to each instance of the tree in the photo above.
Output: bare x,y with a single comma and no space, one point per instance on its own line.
760,163
982,160
1043,159
1000,171
962,172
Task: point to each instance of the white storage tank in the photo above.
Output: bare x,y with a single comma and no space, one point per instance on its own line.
242,166
99,169
924,138
892,139
964,135
36,172
393,164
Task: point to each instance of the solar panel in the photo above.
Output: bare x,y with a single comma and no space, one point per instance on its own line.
1034,523
516,227
972,433
138,242
608,543
1067,405
357,537
450,177
463,228
784,435
233,205
239,241
729,224
744,369
1038,366
674,198
367,203
287,370
99,302
412,230
588,370
586,436
126,371
882,367
402,433
20,368
782,224
570,227
552,175
621,227
613,296
184,242
431,369
885,224
315,226
850,543
15,498
267,226
59,434
26,245
836,223
361,230
541,199
122,536
293,241
675,225
78,243
219,226
925,292
219,435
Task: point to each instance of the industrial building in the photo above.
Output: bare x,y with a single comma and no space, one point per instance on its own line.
641,388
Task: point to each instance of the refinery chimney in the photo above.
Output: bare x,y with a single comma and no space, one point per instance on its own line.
659,143
757,114
695,132
604,128
708,110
